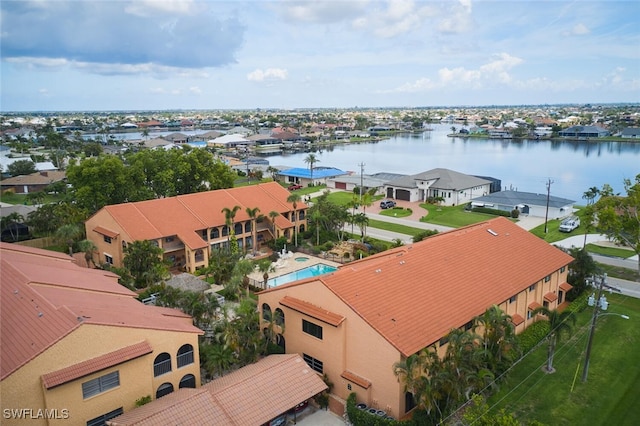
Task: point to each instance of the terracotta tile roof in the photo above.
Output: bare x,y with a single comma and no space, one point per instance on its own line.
312,310
551,297
354,378
105,231
534,305
565,287
84,368
45,296
444,280
252,395
517,319
185,215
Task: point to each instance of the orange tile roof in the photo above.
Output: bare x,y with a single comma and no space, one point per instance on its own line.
185,215
354,378
312,310
551,297
84,368
565,287
45,296
517,319
444,280
252,395
105,231
534,305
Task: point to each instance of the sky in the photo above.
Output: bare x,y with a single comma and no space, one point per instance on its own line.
88,55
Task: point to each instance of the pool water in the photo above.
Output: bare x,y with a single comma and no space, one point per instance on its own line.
301,259
311,271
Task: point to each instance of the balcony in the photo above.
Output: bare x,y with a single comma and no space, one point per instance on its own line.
185,359
162,367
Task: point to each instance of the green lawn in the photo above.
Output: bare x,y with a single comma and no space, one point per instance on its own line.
12,198
398,212
609,397
610,251
393,227
454,217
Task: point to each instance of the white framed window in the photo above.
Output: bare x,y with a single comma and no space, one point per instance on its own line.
100,384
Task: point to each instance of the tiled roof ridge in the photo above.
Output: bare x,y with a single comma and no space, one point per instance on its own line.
89,320
116,217
280,359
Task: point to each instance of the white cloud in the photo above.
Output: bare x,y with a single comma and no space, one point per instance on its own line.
195,90
44,92
458,19
146,7
270,74
398,17
577,30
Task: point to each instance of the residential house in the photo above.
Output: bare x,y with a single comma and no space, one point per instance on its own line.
34,182
302,176
452,187
252,395
584,132
355,323
528,203
630,132
190,227
352,181
79,347
229,141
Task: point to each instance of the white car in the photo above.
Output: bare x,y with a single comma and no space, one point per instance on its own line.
569,225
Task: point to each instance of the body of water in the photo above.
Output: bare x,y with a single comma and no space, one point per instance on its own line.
572,166
308,272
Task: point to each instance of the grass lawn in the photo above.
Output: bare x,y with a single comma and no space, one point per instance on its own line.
609,396
454,217
393,227
619,272
11,198
398,212
610,251
343,198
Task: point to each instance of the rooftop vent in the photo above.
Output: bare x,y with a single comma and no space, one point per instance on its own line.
378,270
492,232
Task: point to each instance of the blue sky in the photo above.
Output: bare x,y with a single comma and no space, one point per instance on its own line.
188,54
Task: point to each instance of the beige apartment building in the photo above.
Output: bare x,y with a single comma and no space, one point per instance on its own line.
79,348
189,227
355,323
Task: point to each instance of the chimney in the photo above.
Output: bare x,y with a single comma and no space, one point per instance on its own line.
44,173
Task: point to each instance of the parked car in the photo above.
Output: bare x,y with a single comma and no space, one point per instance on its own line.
281,420
387,204
569,225
294,187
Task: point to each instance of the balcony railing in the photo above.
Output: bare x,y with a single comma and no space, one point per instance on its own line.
162,367
185,359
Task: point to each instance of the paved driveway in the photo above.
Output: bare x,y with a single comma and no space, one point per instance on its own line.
320,418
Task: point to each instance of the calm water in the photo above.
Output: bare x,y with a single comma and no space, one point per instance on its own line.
308,272
525,165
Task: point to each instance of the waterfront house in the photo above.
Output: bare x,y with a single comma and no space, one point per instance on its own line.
630,132
190,227
355,323
528,203
584,132
302,176
79,346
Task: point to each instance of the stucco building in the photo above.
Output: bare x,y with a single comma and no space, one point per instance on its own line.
355,323
78,348
189,227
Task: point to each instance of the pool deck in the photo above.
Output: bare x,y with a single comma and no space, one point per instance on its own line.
290,264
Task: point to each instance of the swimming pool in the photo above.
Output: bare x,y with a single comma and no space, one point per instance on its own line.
308,272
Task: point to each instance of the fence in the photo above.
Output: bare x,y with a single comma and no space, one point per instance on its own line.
38,242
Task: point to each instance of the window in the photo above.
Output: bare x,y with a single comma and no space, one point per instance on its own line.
266,312
512,299
225,231
316,365
247,227
188,381
185,355
529,314
564,268
199,256
215,233
124,244
106,239
545,304
168,240
468,326
108,259
100,384
279,317
301,214
547,278
237,228
102,420
162,364
532,287
444,340
164,389
312,329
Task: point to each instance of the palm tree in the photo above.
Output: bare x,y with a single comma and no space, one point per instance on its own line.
362,221
229,215
498,337
68,234
265,266
10,219
89,248
311,159
243,268
254,216
590,196
317,218
366,201
272,215
559,323
295,199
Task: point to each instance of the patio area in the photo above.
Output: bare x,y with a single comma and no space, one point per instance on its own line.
290,262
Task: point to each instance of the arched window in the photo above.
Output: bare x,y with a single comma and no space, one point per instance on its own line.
279,317
301,228
301,214
162,364
225,231
237,228
247,226
188,381
281,343
185,355
266,312
215,233
164,389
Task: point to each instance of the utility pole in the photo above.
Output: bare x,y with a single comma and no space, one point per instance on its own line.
361,179
596,307
546,215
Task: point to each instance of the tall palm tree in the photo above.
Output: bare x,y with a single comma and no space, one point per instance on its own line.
254,216
294,199
589,195
272,215
10,219
497,336
560,323
362,221
68,234
89,248
265,266
311,159
366,201
317,218
229,215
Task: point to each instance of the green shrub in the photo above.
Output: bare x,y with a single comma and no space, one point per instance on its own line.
143,400
580,303
424,234
515,213
494,212
529,338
